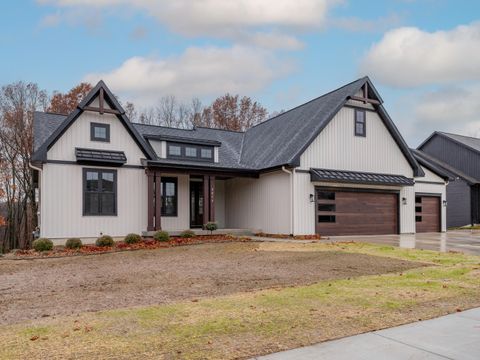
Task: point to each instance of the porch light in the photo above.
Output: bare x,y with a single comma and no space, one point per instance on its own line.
312,198
404,200
444,203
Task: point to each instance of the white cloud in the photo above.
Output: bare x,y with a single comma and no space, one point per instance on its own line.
408,56
198,72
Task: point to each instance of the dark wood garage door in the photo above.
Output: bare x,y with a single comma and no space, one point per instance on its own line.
356,212
427,213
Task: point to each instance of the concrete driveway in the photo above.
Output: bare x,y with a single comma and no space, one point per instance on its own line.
455,336
459,240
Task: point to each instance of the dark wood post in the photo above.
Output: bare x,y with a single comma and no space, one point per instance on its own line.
158,201
150,202
212,198
206,201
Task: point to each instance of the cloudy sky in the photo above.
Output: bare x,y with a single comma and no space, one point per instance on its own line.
422,55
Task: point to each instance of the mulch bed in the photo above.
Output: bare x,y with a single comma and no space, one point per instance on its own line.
285,236
145,244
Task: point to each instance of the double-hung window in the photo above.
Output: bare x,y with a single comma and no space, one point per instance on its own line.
99,192
169,196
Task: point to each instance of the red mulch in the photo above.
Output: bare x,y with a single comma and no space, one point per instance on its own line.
147,243
285,236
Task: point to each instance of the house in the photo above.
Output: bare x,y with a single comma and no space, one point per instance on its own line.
459,157
336,165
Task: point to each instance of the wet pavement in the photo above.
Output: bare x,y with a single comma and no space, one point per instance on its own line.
455,336
459,240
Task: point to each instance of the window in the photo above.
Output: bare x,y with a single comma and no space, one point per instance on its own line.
418,218
174,150
326,218
326,207
418,209
190,151
169,196
360,124
326,195
418,199
99,192
99,132
206,153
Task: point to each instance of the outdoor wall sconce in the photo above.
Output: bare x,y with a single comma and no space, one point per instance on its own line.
312,198
445,203
404,200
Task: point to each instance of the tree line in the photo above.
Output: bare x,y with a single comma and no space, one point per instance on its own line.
19,101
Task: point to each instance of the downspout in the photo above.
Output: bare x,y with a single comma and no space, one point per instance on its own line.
39,195
292,192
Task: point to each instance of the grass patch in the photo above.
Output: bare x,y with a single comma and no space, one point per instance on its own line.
248,324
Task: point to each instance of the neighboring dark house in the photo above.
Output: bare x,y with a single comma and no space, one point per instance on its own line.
459,157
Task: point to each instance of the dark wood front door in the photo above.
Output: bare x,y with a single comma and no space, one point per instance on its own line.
196,203
427,213
355,212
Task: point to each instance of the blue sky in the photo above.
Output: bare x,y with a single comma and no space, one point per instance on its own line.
422,55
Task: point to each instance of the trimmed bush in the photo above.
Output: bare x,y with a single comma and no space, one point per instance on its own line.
104,241
161,236
73,243
42,244
211,226
187,234
132,239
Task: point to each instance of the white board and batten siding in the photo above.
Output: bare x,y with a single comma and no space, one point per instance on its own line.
431,183
337,147
262,204
61,205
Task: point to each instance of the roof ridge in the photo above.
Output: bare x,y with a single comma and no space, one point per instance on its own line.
161,126
227,130
309,101
465,136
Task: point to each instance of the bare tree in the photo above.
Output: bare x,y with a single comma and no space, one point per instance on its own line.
18,101
130,111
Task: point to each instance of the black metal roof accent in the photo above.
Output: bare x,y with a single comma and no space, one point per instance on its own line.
357,177
100,156
41,153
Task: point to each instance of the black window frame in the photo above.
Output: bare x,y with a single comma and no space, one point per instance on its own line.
364,123
94,125
164,181
183,152
85,192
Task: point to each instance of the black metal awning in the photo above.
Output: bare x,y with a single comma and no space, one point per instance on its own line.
357,177
105,157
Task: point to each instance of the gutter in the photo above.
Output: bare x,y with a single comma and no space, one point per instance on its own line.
292,199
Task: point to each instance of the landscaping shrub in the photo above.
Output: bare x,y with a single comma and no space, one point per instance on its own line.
187,234
105,240
73,243
161,236
132,238
42,244
211,226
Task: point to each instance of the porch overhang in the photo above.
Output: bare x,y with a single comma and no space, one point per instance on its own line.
357,177
166,166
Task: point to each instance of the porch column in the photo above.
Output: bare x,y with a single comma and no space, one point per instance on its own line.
158,201
206,197
150,203
212,198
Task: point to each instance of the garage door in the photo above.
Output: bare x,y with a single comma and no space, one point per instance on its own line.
356,212
427,213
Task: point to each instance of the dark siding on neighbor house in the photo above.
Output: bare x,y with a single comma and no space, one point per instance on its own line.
475,201
458,203
458,156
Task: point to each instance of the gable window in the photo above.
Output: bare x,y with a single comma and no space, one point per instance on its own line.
190,151
99,132
99,192
169,196
360,123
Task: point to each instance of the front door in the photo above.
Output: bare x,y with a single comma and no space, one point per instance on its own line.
196,203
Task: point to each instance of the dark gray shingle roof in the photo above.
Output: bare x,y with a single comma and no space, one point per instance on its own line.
426,161
469,141
44,124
